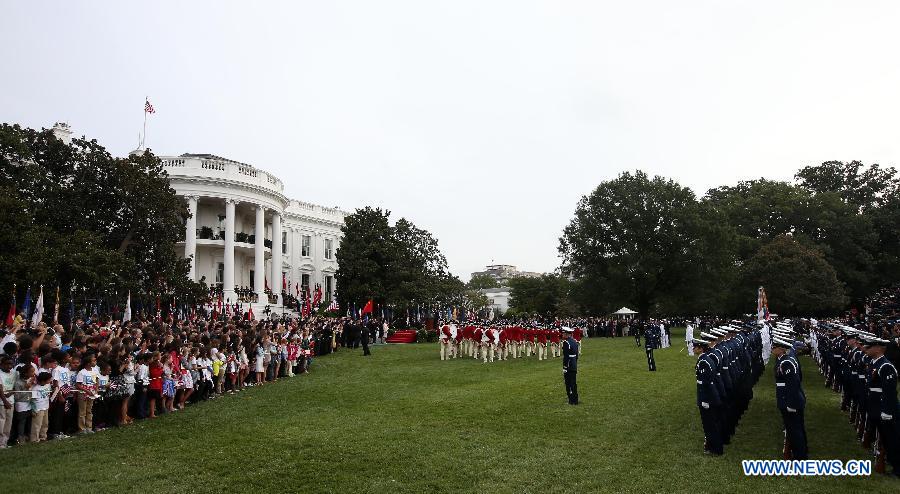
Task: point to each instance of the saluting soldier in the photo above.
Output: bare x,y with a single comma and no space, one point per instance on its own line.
570,349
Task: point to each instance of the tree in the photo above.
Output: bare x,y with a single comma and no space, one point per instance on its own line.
758,211
75,215
870,244
864,187
547,295
365,257
481,282
399,265
639,241
797,278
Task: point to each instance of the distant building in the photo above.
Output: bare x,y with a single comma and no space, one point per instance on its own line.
505,272
498,298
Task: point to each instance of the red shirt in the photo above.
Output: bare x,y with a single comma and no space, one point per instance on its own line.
156,372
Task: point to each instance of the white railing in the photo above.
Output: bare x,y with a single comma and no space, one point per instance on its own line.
178,166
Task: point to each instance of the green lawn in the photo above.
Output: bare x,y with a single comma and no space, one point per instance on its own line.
403,421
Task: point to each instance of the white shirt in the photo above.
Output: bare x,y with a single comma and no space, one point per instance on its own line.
40,397
86,377
143,374
62,376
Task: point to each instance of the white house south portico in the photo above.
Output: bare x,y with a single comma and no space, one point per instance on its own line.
244,233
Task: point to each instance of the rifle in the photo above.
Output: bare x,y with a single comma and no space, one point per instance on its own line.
786,450
878,451
867,433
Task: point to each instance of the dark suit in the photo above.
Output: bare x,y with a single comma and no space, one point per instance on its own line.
570,368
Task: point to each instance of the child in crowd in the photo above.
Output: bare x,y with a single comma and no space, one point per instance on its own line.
141,386
168,384
292,349
154,389
22,392
187,379
8,378
101,405
86,385
40,406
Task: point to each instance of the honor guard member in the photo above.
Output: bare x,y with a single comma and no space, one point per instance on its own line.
445,342
555,341
649,345
542,344
791,400
570,365
883,401
476,341
708,399
457,340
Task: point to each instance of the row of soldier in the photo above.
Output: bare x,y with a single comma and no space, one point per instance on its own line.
854,364
729,363
500,342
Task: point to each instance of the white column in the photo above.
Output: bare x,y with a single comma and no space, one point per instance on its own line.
228,278
190,238
259,259
276,255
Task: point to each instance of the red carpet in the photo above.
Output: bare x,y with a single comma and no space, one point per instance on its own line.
402,336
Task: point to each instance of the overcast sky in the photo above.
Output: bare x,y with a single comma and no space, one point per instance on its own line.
481,121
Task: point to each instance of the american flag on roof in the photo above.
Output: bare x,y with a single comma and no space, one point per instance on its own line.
148,107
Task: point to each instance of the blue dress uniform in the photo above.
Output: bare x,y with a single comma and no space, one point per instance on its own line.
650,341
570,366
883,390
791,402
709,401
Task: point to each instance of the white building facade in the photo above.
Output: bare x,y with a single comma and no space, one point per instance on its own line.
232,206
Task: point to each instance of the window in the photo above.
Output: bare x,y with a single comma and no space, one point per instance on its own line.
304,282
284,242
328,248
328,285
304,247
220,273
252,279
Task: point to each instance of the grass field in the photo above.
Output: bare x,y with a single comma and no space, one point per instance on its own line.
403,421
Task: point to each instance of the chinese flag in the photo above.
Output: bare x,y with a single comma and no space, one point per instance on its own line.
368,308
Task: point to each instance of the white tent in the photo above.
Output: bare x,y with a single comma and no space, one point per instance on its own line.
624,313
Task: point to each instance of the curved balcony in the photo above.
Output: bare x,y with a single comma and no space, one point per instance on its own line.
209,166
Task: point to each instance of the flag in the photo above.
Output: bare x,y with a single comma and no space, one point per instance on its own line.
318,297
38,309
127,316
284,282
56,307
27,307
762,306
148,108
11,314
334,307
297,288
368,308
250,313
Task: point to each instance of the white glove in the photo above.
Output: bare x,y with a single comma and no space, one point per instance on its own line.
791,409
885,416
704,404
564,371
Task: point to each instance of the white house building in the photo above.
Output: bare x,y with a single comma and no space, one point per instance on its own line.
233,205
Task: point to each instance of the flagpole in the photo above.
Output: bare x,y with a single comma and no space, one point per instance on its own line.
144,139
